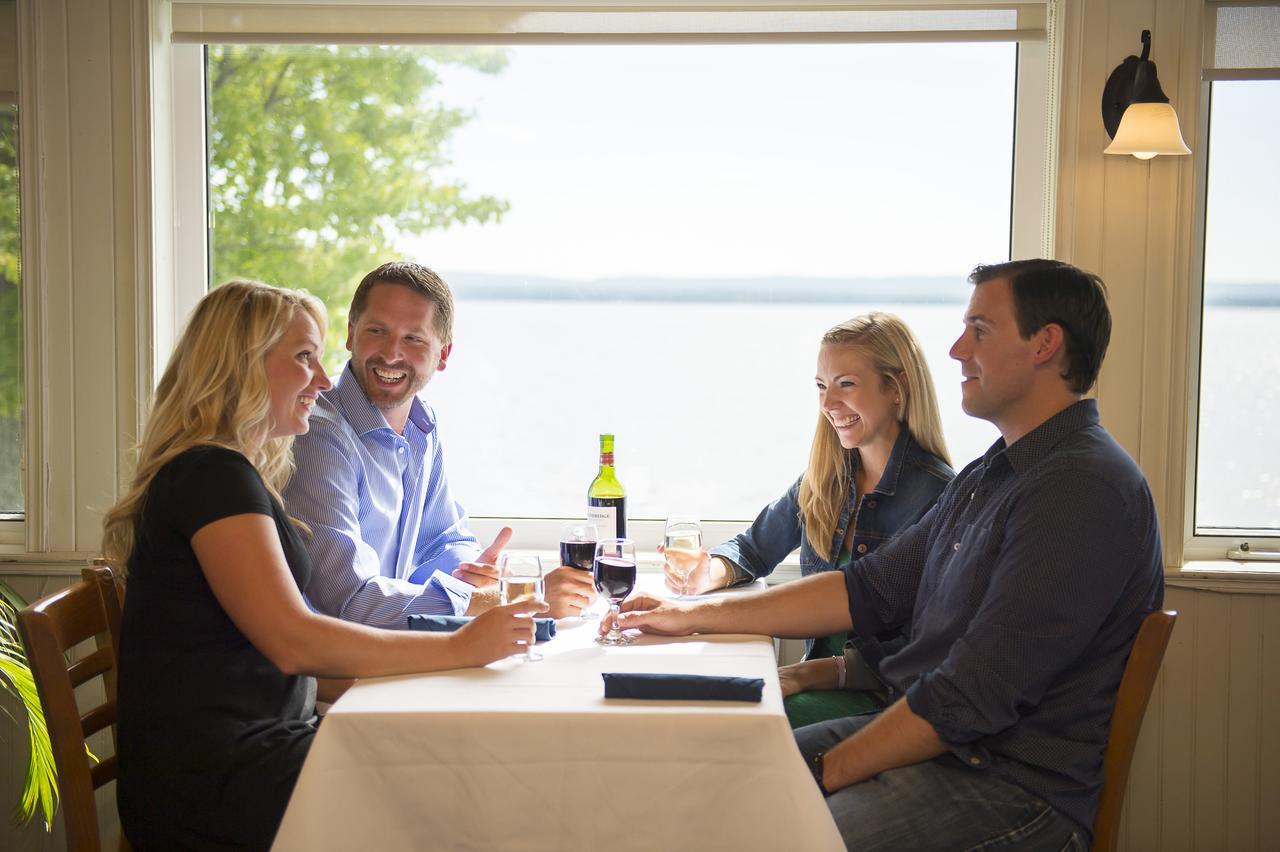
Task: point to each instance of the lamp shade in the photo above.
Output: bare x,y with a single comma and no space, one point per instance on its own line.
1148,129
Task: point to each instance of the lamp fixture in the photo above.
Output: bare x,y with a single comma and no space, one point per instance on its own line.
1136,111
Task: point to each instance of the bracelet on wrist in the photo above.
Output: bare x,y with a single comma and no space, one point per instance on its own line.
842,672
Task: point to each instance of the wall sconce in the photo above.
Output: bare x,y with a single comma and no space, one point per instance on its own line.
1136,110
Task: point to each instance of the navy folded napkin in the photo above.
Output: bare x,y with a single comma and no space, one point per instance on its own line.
544,628
682,687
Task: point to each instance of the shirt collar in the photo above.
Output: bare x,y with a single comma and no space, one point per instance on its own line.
1037,443
362,415
888,483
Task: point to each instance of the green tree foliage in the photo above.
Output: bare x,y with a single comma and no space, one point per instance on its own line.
319,157
10,317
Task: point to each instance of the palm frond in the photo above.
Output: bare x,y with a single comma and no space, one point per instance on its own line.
40,790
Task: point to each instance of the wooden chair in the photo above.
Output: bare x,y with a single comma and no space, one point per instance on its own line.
1136,683
49,628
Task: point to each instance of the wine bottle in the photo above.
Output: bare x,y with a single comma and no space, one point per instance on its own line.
606,498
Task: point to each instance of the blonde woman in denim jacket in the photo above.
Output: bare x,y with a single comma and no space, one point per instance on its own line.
877,464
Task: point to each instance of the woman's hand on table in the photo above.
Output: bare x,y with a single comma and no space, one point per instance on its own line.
652,615
496,633
702,575
810,674
568,591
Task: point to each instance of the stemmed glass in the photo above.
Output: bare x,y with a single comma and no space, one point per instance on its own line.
615,575
578,544
578,549
682,548
520,576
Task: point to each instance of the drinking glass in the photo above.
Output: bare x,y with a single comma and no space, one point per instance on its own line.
682,548
520,576
615,575
578,544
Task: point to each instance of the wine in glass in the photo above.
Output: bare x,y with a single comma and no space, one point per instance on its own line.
682,548
520,579
615,575
578,544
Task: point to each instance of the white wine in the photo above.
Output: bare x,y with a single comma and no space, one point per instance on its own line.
517,589
606,498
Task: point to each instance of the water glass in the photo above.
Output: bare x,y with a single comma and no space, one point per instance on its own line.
520,579
682,547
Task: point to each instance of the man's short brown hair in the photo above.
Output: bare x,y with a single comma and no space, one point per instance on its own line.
417,278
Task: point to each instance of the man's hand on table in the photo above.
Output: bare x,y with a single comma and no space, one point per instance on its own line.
652,615
568,591
484,571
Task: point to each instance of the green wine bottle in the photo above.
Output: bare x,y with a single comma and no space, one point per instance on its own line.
606,498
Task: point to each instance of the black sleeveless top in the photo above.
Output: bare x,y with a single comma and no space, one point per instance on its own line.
211,734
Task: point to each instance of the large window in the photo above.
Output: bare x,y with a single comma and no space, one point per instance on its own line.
643,239
1238,465
12,504
1234,502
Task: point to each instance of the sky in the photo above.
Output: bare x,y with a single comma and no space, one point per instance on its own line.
762,160
765,160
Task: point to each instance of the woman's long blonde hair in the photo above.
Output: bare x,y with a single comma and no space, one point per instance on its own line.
896,355
214,392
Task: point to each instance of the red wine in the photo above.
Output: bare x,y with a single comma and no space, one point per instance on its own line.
615,578
579,554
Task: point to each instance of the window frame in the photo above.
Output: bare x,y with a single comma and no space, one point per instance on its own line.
1200,547
1032,203
1222,548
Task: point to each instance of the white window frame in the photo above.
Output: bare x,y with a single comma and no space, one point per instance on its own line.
180,132
1204,554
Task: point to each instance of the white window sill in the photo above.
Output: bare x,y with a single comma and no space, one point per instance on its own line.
1261,578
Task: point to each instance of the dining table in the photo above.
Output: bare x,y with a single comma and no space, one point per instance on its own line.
521,755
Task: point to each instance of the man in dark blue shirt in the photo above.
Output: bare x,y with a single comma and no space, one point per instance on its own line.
1023,587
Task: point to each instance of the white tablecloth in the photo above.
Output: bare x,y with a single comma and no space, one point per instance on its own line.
530,756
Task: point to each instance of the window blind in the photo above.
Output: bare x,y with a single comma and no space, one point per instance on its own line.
529,23
1243,41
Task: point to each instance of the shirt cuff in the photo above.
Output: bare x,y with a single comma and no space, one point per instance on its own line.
444,594
968,749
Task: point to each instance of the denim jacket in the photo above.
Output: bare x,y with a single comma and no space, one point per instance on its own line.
911,482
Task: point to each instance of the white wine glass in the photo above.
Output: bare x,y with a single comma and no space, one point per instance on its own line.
520,579
682,547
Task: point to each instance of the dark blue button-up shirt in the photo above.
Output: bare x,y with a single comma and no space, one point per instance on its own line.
1024,587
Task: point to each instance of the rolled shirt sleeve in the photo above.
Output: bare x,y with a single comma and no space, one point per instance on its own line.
755,552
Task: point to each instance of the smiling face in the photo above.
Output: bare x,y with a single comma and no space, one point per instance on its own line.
855,399
998,365
395,349
295,376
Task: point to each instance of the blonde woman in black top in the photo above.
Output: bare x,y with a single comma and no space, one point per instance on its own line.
219,651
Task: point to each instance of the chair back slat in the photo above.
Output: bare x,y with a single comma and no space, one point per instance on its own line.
94,665
104,772
1136,685
98,719
50,628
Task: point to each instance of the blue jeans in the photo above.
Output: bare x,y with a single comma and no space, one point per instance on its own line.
940,805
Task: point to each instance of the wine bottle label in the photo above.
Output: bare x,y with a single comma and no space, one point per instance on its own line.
606,459
605,518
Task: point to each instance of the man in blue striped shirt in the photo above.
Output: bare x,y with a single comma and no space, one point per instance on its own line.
1022,589
387,539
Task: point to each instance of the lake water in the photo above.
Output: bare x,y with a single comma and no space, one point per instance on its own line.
713,404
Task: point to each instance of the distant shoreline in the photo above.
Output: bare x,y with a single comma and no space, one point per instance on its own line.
473,286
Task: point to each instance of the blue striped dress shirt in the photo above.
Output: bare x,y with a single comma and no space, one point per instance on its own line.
385,531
